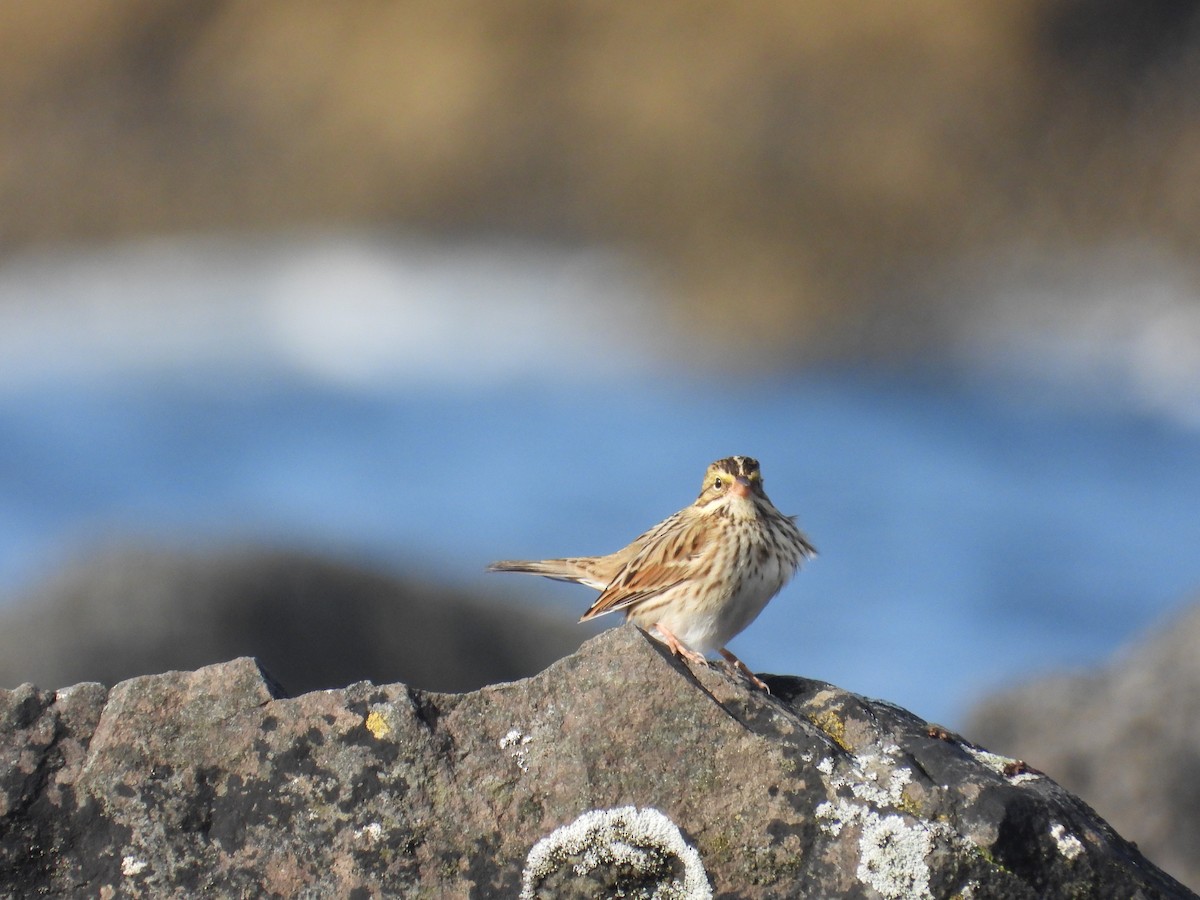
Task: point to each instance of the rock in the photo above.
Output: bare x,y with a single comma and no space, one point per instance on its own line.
314,622
1126,737
616,769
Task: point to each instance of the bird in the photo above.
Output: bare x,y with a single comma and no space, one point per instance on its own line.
702,575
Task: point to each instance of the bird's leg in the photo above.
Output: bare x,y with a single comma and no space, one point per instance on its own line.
676,646
745,670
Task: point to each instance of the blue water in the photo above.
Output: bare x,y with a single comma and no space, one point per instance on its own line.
973,530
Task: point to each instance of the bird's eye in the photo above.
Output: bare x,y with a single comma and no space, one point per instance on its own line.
718,483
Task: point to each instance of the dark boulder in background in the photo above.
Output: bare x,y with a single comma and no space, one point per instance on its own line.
617,771
313,622
1126,737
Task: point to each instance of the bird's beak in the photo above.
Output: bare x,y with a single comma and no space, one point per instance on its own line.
740,487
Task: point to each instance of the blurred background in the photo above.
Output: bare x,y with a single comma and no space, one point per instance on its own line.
308,311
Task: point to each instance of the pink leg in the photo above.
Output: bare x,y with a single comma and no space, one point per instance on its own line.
745,670
676,646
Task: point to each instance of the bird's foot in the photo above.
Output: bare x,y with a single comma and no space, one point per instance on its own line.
677,647
741,667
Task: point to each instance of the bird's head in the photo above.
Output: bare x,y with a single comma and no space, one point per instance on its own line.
735,476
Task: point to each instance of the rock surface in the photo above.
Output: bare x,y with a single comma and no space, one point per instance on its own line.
614,768
1126,737
312,621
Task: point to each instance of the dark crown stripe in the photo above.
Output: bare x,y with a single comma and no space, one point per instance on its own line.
737,465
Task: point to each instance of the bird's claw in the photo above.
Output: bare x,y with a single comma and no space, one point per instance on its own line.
744,670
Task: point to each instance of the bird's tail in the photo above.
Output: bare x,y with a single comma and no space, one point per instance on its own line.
579,571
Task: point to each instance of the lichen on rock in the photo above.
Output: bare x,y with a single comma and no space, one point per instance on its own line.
617,766
635,853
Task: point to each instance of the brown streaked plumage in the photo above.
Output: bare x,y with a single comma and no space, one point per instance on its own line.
700,576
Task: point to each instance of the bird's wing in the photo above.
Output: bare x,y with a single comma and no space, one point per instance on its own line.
664,560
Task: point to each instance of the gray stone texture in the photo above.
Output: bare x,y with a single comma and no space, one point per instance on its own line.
1126,737
213,783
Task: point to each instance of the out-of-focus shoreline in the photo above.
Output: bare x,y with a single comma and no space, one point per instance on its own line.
825,166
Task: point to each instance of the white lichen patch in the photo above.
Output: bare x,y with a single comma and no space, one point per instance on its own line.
968,891
878,784
892,852
369,833
1001,765
1068,845
832,815
131,865
628,838
892,847
515,742
67,693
